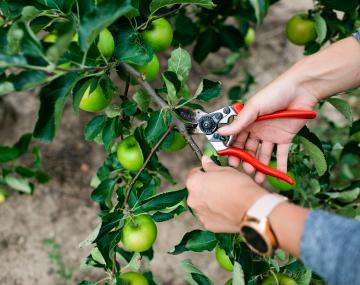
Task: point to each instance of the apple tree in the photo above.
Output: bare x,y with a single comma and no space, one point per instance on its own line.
102,55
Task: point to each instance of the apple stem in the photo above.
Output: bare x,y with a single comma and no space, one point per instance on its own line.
153,150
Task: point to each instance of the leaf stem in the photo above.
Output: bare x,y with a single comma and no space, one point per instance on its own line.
153,150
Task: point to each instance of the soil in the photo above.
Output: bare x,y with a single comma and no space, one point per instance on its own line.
62,211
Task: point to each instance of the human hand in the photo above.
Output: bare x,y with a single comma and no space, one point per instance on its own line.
221,195
259,138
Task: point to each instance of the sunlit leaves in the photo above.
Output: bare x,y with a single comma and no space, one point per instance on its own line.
157,125
180,63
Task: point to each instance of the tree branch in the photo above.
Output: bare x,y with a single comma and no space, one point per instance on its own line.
153,150
159,101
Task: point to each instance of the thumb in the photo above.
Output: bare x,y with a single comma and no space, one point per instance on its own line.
246,116
208,164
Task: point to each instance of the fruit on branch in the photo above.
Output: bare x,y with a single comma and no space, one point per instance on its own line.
129,154
52,38
173,142
159,35
150,70
300,30
134,278
106,44
278,184
223,260
94,101
139,233
281,278
249,37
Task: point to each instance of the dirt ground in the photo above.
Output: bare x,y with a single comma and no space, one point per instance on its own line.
62,211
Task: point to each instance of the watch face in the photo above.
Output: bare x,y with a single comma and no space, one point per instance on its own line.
254,239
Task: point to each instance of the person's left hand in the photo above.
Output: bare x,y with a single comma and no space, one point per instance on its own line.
220,196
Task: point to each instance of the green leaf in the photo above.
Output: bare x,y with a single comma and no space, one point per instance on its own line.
196,241
173,86
316,155
6,87
157,125
208,41
94,21
161,201
102,194
208,90
158,4
355,127
129,48
343,107
18,149
52,102
260,7
142,99
91,237
238,275
19,184
193,275
94,127
165,215
321,28
180,63
10,60
63,5
347,196
28,79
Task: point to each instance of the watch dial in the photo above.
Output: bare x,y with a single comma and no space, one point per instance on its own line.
254,239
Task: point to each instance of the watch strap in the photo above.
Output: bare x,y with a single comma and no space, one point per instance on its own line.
263,207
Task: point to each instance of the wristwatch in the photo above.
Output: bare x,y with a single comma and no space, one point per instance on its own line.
255,227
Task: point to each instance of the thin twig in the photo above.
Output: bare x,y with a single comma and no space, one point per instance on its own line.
158,100
144,25
153,150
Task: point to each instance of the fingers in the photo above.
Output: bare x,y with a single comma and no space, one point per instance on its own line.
247,115
251,147
282,152
239,142
208,164
264,156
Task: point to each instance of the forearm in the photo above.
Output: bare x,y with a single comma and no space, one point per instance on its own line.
330,71
287,221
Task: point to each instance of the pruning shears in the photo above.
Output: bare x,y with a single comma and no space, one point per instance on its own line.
200,122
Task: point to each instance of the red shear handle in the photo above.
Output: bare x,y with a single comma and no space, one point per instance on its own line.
242,154
297,114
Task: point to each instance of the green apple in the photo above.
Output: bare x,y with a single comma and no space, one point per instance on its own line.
106,44
139,233
133,278
173,142
129,154
159,35
278,184
250,36
150,70
94,101
223,260
300,30
281,278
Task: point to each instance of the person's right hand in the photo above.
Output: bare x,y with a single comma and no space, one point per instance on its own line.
259,138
